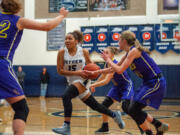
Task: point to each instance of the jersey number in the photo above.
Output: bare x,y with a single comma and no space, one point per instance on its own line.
72,68
4,26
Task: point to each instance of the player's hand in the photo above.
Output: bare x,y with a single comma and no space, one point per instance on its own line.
92,89
91,72
105,56
88,72
63,12
82,74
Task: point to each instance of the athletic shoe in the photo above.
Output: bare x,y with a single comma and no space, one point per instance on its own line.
162,129
64,130
119,120
102,130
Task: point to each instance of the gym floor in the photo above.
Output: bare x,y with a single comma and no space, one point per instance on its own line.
47,113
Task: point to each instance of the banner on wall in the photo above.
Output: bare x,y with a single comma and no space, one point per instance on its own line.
133,28
101,37
163,46
89,38
55,37
109,5
71,5
147,36
175,44
114,34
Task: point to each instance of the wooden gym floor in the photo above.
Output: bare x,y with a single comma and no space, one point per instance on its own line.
47,113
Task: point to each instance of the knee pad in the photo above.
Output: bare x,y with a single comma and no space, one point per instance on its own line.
21,110
107,102
125,106
70,93
135,111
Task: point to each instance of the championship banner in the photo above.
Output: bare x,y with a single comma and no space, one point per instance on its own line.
147,36
89,37
102,38
175,44
133,28
162,46
55,37
114,35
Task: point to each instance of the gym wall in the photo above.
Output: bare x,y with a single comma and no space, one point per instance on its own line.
32,53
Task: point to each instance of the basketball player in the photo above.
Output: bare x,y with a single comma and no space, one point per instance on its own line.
152,90
11,29
122,88
70,61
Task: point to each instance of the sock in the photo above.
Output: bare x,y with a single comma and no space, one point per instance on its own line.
105,124
156,123
148,132
113,115
67,122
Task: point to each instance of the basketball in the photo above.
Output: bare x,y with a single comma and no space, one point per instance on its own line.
92,67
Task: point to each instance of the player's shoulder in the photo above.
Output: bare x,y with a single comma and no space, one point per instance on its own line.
62,50
134,52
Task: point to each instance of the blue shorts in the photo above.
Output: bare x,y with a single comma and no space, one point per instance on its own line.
151,92
119,93
9,85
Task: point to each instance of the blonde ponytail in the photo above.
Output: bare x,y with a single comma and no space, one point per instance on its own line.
130,37
140,47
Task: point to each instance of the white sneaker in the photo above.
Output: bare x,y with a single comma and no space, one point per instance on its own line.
64,130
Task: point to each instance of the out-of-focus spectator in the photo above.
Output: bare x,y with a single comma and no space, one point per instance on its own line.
44,82
20,75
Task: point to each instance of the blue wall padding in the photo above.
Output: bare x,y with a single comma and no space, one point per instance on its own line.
57,83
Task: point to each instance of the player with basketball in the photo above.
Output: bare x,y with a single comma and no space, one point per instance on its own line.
70,61
152,90
11,30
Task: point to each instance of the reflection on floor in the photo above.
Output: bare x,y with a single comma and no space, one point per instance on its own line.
47,113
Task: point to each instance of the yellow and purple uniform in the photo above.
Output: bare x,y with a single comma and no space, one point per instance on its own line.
122,86
10,37
152,90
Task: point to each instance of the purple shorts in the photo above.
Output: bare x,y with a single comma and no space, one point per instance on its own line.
151,92
119,93
9,85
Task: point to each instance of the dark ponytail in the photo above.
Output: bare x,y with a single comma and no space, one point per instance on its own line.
78,36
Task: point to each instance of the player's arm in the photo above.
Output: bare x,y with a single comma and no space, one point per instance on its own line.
60,66
24,23
101,82
134,53
122,59
86,56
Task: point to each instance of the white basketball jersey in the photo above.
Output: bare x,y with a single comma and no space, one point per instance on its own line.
74,63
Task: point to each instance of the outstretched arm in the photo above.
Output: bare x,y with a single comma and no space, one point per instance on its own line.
24,23
134,53
106,78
